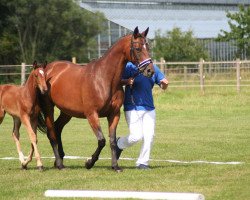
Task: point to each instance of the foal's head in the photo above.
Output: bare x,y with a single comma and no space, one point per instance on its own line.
139,52
40,76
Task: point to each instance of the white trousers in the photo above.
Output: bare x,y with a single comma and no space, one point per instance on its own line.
141,127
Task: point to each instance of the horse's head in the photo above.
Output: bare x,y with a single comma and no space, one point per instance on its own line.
40,76
139,53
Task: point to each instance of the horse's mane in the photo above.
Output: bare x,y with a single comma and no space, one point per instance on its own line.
109,49
112,46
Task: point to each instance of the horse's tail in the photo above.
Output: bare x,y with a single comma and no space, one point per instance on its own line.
41,125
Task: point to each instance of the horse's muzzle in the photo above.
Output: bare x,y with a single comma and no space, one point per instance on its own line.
150,73
44,90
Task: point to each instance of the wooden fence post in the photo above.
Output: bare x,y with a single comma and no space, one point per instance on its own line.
238,74
185,75
162,68
74,60
201,75
23,68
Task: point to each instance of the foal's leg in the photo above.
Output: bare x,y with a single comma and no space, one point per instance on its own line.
16,136
61,121
113,121
29,158
2,114
32,135
95,125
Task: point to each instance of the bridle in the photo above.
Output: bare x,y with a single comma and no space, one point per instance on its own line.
136,54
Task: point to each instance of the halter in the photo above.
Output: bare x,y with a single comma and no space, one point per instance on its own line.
142,65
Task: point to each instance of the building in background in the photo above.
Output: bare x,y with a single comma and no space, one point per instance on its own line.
206,18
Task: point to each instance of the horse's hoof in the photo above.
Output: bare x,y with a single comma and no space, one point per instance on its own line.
24,167
40,168
58,166
61,167
55,165
117,169
89,164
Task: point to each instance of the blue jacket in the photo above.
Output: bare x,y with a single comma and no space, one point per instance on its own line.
140,96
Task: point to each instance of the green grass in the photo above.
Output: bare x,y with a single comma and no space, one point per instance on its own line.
190,126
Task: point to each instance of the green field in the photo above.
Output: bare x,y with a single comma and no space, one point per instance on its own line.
190,127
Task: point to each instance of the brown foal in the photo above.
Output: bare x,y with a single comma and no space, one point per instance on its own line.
21,102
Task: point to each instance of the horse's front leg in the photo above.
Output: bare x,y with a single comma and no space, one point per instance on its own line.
113,121
30,125
95,125
51,134
48,111
61,121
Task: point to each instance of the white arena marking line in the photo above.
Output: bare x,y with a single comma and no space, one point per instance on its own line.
123,194
8,158
153,160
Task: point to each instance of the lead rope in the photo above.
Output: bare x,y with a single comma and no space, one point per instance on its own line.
131,88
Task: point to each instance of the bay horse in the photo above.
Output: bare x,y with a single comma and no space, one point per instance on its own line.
91,92
21,102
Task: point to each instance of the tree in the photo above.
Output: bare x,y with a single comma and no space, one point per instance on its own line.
51,29
239,23
178,46
8,47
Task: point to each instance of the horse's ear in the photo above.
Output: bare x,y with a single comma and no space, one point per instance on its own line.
145,33
136,32
34,64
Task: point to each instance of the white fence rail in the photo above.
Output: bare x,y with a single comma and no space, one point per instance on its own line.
19,71
180,74
207,74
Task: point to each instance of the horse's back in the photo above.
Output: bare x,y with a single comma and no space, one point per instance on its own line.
57,68
10,95
9,91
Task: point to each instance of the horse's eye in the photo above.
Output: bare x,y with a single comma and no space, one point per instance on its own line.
138,49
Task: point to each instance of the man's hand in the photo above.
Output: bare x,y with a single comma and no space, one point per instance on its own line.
164,84
129,81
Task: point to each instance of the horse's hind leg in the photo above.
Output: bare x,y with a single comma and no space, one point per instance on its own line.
61,121
2,114
95,125
16,136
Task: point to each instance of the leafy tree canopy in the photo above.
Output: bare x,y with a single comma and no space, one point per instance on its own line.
239,23
46,30
178,46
